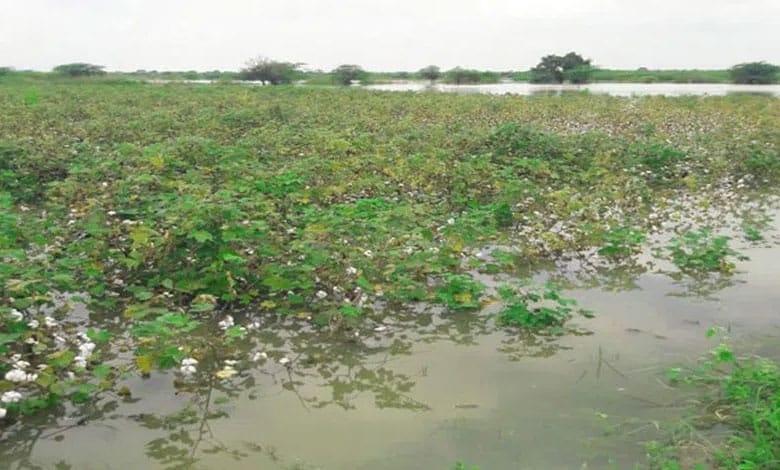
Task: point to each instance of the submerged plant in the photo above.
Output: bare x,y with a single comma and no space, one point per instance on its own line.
459,292
537,308
621,241
701,251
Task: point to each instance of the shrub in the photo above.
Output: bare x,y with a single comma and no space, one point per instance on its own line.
80,69
755,73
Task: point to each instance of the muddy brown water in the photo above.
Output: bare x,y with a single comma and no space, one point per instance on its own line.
426,389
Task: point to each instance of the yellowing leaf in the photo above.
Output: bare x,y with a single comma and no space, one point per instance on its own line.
144,363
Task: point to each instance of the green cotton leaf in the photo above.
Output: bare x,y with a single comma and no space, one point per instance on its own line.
351,311
201,236
98,336
101,371
61,359
202,307
170,358
6,338
235,332
232,258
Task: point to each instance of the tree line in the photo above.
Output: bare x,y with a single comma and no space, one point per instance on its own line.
552,69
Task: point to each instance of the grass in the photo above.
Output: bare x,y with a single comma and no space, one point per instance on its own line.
740,393
164,208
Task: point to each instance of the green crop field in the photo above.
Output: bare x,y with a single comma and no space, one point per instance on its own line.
168,215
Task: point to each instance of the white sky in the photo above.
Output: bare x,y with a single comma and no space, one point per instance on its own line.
388,34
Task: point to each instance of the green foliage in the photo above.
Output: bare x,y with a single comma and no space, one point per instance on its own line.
743,394
430,72
461,76
346,74
459,292
700,252
755,73
536,308
176,204
556,69
269,71
79,69
621,241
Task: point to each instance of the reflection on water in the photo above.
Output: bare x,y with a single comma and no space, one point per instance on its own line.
422,388
614,89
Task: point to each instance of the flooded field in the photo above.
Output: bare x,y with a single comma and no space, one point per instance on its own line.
425,387
613,89
234,277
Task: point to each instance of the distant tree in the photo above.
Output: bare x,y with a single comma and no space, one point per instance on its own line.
757,73
461,76
431,73
79,69
556,69
269,71
5,70
346,74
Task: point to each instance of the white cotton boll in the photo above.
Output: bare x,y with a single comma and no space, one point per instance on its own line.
450,221
31,340
259,355
352,270
50,322
284,361
321,294
19,364
230,362
16,315
15,375
368,254
31,377
80,362
11,396
33,324
226,323
188,370
86,349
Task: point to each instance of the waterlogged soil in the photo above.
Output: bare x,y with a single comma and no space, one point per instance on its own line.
425,388
224,276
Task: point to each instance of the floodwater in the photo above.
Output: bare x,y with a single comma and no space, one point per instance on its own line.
423,389
614,89
526,89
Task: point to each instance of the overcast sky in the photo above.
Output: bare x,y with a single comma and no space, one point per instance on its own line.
386,35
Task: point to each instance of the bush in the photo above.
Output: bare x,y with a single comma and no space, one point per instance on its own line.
431,73
346,74
755,73
269,71
79,69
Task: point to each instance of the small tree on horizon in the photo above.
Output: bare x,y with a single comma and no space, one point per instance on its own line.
755,73
431,73
269,71
79,69
347,73
557,69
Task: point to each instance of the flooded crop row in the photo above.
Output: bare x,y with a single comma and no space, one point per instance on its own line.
247,277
